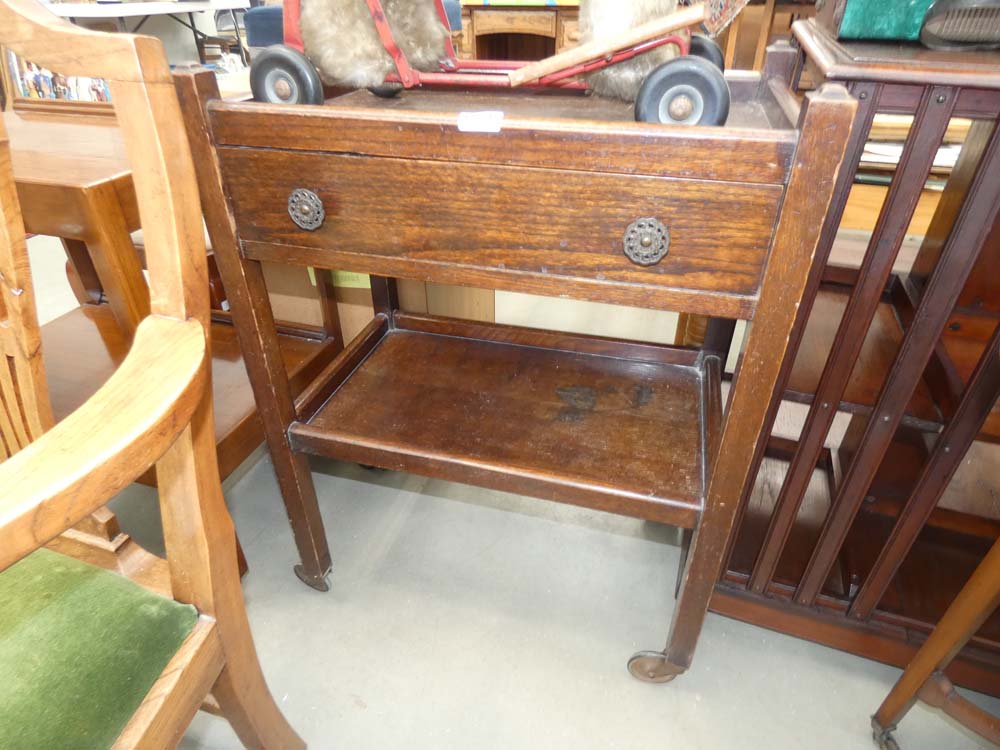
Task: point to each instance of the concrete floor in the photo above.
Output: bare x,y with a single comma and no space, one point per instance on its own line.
466,618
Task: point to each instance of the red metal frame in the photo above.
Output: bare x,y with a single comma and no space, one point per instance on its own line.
290,26
407,75
471,73
449,48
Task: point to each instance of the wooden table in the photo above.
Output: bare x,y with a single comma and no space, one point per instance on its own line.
144,10
872,572
74,182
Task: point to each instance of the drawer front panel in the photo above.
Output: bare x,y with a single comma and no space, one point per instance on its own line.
541,22
507,220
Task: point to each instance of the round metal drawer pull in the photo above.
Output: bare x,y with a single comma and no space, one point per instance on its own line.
646,241
306,209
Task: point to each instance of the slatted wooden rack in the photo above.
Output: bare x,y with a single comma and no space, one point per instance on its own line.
912,358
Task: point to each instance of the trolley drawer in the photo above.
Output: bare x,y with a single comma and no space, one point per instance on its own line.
418,217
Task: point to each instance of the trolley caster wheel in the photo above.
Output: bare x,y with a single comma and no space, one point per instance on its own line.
687,90
283,75
386,90
706,48
652,666
314,582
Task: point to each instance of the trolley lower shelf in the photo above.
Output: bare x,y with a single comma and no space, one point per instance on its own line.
606,424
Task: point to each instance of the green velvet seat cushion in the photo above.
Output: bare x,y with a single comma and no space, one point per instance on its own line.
79,649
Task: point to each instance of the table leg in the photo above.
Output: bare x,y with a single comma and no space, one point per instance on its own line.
82,275
732,40
867,95
718,338
328,301
239,39
114,257
197,40
254,321
764,36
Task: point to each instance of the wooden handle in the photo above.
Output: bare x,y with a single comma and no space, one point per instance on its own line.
584,53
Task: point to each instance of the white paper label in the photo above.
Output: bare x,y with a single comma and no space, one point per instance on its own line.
480,122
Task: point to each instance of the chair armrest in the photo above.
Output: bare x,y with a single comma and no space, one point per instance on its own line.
108,442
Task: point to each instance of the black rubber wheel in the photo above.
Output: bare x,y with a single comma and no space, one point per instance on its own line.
706,48
283,75
687,90
386,90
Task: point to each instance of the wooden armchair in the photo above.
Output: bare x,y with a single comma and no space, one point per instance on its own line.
90,659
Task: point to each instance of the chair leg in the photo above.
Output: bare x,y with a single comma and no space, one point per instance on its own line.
200,537
974,604
241,690
248,705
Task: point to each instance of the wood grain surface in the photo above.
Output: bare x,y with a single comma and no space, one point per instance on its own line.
84,347
600,431
434,220
557,132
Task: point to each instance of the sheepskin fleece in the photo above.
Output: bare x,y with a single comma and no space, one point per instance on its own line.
600,19
341,40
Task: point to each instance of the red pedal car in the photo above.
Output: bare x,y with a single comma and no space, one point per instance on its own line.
686,90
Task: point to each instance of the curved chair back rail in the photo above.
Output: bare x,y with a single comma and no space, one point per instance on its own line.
141,87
